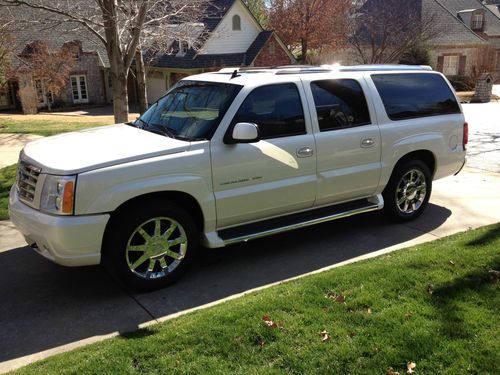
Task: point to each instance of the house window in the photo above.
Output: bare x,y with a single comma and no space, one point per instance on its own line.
272,48
236,23
477,22
79,89
450,65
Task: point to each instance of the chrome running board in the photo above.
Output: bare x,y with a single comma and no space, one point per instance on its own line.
301,220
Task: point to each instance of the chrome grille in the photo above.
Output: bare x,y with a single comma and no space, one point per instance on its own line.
27,177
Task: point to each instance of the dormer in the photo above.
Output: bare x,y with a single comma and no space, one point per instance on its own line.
478,20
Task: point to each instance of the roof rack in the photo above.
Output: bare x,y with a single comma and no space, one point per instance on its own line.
309,69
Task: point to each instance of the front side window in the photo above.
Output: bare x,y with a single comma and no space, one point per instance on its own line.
192,110
340,103
276,109
414,95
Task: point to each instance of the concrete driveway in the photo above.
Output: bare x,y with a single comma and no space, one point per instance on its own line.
46,309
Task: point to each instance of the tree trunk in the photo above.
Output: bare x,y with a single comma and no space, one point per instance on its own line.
120,96
141,81
304,51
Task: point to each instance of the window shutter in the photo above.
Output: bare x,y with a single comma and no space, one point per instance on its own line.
440,64
461,65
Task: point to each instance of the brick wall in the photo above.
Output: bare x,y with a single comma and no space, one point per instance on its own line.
88,65
272,54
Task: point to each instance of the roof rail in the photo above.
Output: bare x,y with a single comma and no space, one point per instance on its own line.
306,69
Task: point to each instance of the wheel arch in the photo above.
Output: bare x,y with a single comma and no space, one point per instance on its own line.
182,199
426,156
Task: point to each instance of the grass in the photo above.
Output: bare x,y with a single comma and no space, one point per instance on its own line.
435,305
7,179
44,127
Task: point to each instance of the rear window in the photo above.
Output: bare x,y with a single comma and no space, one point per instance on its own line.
413,95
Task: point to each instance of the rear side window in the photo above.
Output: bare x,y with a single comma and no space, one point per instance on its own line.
340,103
276,109
413,95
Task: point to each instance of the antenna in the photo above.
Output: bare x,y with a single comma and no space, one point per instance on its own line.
235,74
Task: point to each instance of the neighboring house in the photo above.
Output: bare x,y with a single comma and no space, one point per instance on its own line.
229,36
88,83
232,38
467,35
470,40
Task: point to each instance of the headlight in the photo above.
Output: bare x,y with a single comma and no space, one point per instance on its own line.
58,195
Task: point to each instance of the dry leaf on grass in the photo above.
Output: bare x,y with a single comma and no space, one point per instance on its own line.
369,311
325,335
268,322
452,262
340,298
351,334
390,371
410,367
430,289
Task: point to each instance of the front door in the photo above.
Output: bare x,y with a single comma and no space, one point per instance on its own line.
274,176
79,89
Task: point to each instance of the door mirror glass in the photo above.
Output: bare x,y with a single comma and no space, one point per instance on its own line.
245,132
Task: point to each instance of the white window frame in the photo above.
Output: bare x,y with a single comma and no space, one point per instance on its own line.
451,65
80,99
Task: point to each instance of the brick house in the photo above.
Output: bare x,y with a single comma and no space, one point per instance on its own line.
235,39
231,37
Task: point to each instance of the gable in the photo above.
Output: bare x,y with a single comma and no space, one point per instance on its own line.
456,6
226,40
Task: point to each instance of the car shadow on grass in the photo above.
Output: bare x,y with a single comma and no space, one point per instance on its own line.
44,306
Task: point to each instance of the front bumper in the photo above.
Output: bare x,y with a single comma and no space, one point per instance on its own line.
65,240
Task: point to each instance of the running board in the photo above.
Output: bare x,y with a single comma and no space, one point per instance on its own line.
300,220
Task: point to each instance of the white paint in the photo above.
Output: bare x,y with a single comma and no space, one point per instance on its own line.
156,88
226,40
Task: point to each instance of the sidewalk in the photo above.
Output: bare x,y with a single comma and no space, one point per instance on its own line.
11,145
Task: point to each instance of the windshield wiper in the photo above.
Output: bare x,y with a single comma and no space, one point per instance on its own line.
160,129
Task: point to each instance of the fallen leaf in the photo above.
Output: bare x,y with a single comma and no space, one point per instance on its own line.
390,371
262,343
325,335
494,274
351,334
369,311
410,366
409,314
336,297
267,320
430,289
452,262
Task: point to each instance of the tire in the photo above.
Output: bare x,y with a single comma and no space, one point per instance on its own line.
150,245
407,194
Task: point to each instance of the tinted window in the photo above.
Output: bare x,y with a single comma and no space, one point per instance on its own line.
340,103
276,109
415,95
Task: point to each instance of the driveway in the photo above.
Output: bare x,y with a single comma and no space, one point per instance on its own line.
46,309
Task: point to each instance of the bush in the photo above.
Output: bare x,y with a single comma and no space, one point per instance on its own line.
416,55
461,83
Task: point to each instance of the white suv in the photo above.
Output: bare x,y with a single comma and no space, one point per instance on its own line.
231,156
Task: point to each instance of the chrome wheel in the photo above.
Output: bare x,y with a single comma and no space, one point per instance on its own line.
411,191
156,248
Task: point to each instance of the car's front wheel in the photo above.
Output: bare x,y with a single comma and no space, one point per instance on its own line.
149,246
407,194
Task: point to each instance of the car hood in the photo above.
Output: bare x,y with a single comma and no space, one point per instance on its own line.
85,150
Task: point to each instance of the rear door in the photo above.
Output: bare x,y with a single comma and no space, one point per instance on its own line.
347,138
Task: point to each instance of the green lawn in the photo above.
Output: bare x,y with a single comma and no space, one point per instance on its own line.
44,127
7,179
436,305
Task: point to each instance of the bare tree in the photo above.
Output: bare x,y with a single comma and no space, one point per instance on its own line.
120,25
6,51
382,31
310,24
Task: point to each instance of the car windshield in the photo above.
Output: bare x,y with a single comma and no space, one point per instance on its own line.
190,111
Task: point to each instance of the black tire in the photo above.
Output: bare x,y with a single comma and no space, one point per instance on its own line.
134,244
404,191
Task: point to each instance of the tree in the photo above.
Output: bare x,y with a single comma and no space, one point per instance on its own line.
418,54
5,51
118,24
310,24
50,68
382,31
259,11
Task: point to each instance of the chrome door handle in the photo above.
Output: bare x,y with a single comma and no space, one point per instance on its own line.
367,142
305,152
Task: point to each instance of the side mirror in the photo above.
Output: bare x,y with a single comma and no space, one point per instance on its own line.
244,132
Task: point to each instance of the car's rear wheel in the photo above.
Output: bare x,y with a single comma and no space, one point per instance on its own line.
407,194
150,246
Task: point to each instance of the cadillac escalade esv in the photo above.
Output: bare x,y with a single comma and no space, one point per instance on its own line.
235,155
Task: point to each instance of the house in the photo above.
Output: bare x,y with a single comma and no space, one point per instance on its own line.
235,39
465,38
229,35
